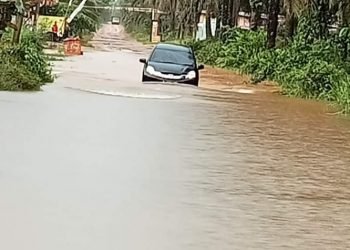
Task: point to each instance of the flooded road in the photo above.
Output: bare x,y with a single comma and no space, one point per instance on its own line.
100,161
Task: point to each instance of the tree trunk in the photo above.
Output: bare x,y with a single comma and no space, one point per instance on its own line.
17,33
230,12
36,16
291,22
182,31
173,15
225,12
255,14
323,18
235,12
273,9
208,25
179,31
218,25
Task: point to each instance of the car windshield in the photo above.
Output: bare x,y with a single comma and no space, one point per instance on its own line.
172,56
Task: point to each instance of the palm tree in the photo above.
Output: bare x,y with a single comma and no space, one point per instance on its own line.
256,7
183,15
87,20
273,10
291,18
234,6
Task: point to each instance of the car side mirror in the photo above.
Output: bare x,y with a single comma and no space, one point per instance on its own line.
200,67
143,60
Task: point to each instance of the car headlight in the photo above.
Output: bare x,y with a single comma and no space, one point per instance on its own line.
191,75
150,70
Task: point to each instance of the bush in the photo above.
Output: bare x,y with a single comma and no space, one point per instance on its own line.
309,70
317,79
30,52
15,77
29,59
207,51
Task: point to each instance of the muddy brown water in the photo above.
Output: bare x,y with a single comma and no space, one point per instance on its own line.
209,170
269,172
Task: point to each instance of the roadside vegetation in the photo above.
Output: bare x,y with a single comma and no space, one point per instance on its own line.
307,55
88,20
24,66
137,24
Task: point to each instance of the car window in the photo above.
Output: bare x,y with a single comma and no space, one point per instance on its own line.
172,56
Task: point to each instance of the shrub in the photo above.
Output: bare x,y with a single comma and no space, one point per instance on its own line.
207,51
15,76
30,52
28,58
310,70
317,79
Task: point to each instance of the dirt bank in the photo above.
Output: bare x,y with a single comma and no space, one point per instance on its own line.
227,80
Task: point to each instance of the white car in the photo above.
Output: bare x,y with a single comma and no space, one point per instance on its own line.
115,20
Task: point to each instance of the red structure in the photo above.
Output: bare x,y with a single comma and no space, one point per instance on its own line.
72,46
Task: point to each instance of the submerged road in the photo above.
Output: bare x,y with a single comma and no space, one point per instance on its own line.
98,160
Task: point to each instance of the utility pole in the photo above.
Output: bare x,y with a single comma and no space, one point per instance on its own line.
152,24
113,8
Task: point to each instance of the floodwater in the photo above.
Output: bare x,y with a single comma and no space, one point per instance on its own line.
100,161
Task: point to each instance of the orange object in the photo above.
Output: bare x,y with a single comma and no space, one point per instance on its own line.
72,46
55,28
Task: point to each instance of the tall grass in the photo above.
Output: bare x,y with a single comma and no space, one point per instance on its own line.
314,70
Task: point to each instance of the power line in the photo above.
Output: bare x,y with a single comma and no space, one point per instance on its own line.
136,9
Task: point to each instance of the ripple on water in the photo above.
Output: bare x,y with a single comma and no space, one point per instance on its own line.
129,94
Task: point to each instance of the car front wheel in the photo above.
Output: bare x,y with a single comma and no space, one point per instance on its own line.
194,82
144,78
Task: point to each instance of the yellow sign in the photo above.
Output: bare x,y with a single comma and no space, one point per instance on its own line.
46,23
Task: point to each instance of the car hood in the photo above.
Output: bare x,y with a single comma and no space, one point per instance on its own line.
169,68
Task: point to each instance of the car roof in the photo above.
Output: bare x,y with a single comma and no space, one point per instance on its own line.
171,46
